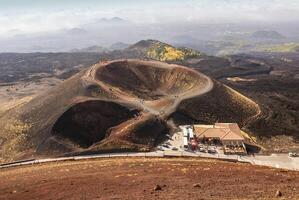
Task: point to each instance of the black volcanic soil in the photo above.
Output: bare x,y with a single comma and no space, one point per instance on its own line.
208,108
90,120
270,80
276,92
278,126
28,67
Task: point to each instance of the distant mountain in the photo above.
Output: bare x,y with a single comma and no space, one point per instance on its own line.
110,20
144,44
267,35
117,19
95,49
76,31
119,46
157,50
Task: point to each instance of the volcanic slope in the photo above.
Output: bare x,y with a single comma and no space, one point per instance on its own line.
155,50
122,105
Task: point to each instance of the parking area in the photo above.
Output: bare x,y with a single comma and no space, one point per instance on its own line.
175,143
174,146
218,139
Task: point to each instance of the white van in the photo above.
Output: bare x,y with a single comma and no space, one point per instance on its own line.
185,132
185,142
191,134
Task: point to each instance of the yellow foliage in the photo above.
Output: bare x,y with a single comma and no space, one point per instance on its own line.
168,53
14,135
172,54
16,128
286,47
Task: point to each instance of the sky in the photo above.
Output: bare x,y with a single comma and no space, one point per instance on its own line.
37,16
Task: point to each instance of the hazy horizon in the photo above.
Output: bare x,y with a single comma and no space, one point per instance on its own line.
30,16
30,25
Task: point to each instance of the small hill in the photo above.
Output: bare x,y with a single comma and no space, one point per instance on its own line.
267,35
279,48
160,51
77,31
110,20
91,49
119,46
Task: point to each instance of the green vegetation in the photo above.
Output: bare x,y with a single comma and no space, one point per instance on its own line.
232,47
164,52
286,47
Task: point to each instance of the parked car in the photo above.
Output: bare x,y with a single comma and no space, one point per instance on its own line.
292,154
174,149
165,145
160,148
211,151
201,149
168,136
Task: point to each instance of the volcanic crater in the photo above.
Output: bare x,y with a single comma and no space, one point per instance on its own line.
150,81
122,105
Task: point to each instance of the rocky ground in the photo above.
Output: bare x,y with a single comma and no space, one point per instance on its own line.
143,178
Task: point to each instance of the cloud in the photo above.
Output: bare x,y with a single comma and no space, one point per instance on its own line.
37,22
219,11
46,19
